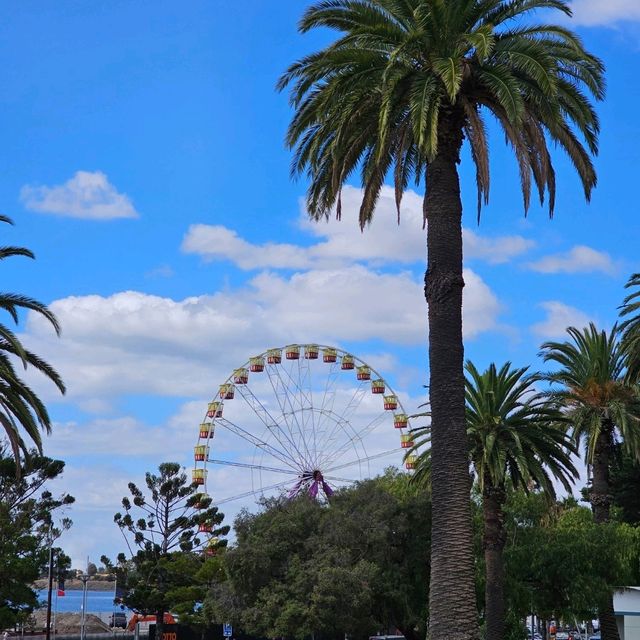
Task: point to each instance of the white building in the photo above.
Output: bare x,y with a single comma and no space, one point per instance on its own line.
626,604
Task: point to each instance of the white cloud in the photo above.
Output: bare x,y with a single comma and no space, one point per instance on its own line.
215,242
559,317
580,259
97,437
87,195
599,12
494,250
342,242
133,342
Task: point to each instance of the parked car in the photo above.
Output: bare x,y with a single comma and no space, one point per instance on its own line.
118,619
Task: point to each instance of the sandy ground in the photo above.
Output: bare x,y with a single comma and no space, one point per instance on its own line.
70,622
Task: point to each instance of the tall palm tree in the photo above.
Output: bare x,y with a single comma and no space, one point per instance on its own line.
602,408
20,407
396,94
630,327
516,440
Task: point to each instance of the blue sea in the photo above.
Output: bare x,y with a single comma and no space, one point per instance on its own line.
97,601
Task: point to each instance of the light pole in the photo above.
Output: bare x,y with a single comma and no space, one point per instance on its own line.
48,632
85,578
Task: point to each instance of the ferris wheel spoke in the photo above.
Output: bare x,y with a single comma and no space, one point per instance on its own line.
339,451
257,467
254,492
343,422
286,442
310,416
358,461
257,442
327,405
336,479
305,399
288,410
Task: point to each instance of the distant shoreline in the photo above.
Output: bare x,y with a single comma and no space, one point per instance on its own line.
73,585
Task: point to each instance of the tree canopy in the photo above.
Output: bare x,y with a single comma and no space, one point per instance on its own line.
31,519
357,566
21,410
176,530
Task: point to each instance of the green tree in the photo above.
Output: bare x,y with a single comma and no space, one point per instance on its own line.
28,525
396,94
559,562
515,442
175,523
601,407
20,407
358,566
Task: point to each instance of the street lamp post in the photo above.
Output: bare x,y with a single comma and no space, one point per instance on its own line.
48,632
85,578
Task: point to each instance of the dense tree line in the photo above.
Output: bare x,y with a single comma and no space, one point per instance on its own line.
300,569
355,566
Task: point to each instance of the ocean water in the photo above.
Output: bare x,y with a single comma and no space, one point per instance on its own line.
71,602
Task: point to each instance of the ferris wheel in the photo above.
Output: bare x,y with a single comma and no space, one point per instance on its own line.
299,419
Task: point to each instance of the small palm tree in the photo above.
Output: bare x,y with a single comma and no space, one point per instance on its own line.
404,84
20,407
630,327
516,441
602,408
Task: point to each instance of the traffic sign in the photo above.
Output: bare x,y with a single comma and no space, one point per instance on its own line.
227,630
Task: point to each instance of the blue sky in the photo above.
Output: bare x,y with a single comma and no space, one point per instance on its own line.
143,162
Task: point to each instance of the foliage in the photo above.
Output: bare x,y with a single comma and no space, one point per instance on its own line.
630,312
593,389
516,437
166,572
559,562
355,566
401,71
27,528
20,407
175,582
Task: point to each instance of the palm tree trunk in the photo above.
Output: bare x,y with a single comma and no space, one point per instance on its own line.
452,600
493,542
600,497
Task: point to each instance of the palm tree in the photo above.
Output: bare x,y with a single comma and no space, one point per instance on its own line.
396,94
631,327
602,408
20,407
516,440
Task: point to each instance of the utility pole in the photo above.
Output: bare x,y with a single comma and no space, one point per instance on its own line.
48,633
84,577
